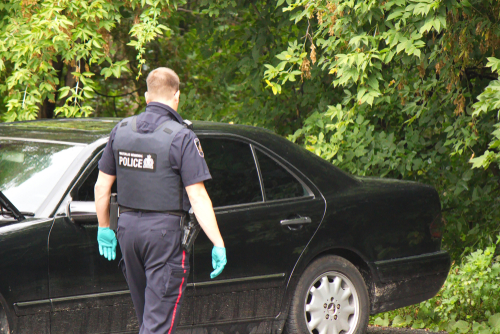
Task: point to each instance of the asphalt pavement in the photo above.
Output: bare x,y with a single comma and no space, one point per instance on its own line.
390,330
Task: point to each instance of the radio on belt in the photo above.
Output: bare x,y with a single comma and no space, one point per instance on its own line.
113,212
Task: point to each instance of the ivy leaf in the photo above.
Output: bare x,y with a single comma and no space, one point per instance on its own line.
494,321
63,92
462,326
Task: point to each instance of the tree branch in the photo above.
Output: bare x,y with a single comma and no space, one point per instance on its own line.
471,73
113,96
255,7
179,9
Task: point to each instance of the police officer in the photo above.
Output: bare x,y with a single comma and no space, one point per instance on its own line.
160,168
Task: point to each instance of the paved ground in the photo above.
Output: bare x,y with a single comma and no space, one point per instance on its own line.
389,330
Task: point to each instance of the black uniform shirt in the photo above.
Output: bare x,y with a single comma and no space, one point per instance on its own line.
185,157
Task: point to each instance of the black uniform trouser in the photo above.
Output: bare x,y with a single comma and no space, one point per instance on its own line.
155,267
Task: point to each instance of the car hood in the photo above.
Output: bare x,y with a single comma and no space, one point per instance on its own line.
8,226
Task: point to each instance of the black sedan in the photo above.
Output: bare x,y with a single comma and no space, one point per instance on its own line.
311,249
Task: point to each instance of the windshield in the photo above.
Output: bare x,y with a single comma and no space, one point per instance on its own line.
30,170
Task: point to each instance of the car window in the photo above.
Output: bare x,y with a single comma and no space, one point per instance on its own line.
234,174
278,182
30,170
86,189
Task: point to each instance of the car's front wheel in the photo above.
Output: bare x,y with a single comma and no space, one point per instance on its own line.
4,323
330,298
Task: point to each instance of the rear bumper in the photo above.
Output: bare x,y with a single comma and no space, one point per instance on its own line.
407,281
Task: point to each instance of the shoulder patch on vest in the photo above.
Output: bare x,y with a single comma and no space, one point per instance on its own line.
123,124
140,161
198,147
169,131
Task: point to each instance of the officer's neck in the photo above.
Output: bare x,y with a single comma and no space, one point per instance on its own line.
170,103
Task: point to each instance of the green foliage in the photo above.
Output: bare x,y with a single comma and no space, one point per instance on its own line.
489,100
469,301
38,38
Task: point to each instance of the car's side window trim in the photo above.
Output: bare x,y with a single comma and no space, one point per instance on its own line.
286,169
259,173
220,209
97,146
263,149
245,206
230,208
82,177
75,187
87,170
93,164
85,174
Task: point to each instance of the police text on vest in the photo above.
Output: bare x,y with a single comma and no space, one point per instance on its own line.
137,160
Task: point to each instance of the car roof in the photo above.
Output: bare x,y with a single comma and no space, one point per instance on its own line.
83,131
88,130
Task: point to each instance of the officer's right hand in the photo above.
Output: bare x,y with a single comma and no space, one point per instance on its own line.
107,242
218,261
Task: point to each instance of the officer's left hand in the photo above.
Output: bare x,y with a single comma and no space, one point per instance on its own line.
219,261
107,242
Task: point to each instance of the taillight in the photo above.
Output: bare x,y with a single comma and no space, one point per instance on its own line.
436,227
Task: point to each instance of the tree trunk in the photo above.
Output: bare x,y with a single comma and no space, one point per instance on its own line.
47,109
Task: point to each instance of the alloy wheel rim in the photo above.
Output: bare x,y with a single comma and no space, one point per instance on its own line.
331,305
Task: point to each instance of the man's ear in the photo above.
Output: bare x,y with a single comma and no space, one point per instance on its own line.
177,96
147,97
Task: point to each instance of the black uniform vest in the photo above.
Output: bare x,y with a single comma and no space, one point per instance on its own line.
145,178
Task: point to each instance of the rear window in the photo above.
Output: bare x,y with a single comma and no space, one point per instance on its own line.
30,170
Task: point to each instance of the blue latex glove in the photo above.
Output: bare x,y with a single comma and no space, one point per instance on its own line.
107,242
218,261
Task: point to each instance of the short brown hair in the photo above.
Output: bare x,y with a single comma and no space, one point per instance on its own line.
162,82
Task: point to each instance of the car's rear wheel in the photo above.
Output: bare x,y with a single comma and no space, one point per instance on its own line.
330,298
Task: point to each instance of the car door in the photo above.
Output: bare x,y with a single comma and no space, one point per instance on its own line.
266,216
89,293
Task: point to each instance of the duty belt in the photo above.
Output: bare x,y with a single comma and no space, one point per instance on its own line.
190,227
124,209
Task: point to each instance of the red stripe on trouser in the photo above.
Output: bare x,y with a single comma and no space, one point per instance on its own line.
180,293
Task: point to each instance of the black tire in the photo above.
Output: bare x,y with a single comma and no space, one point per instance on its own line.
331,267
4,323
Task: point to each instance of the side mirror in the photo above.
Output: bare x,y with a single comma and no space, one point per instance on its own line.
82,212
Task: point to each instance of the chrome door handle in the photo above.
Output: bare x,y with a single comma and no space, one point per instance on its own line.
296,221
